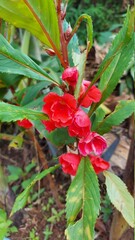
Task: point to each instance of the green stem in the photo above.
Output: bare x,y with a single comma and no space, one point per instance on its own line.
89,29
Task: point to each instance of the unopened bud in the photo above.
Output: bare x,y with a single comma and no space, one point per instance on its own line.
70,75
68,32
50,52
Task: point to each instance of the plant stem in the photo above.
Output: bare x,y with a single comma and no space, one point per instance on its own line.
46,34
62,37
77,25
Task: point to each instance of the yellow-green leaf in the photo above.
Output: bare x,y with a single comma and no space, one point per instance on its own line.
38,17
120,197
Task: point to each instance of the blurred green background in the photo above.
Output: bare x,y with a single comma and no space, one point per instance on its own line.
107,16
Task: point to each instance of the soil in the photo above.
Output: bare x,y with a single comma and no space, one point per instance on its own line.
34,216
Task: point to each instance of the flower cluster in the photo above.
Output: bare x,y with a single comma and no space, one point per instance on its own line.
66,111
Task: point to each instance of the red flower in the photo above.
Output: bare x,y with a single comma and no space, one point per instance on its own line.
49,125
24,123
99,164
93,95
60,110
92,143
70,75
81,124
70,163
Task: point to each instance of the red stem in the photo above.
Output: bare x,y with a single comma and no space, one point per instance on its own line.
62,37
46,33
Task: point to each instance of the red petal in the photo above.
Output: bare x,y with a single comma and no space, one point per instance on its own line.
70,162
51,97
99,164
49,125
24,123
70,101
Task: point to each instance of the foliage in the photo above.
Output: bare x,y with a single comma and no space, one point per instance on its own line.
47,232
122,200
34,13
22,198
55,215
83,194
5,225
105,15
121,112
106,208
38,93
32,235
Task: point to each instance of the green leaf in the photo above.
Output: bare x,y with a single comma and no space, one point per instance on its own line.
115,70
117,59
79,61
59,137
13,61
83,194
36,103
122,111
34,49
10,79
97,117
15,173
10,113
4,224
120,196
21,200
3,215
30,166
38,17
32,92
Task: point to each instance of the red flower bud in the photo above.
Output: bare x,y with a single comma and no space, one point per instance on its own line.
68,32
70,75
50,52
